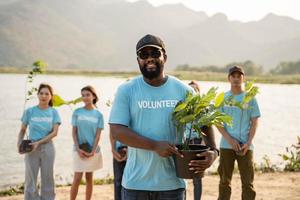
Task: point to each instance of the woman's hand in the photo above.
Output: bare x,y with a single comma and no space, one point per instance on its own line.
89,154
34,145
19,148
81,153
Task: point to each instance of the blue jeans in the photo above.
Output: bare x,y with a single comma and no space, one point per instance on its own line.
197,188
118,174
178,194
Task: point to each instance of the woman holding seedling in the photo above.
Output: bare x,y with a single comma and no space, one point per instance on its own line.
43,122
87,124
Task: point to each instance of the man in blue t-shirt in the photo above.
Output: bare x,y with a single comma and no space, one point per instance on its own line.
236,141
141,117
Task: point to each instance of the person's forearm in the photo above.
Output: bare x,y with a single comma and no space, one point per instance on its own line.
49,136
209,137
97,139
74,136
252,130
224,133
130,138
112,141
21,135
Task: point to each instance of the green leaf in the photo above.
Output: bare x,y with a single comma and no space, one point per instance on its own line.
75,101
219,100
284,157
39,66
57,100
180,107
248,85
187,119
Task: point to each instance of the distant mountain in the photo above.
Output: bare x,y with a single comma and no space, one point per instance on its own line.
102,35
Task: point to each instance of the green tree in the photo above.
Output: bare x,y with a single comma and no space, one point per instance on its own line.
287,68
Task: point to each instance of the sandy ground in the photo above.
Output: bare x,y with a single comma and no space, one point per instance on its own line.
272,186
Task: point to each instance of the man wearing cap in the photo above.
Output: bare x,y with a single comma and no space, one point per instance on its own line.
141,117
236,141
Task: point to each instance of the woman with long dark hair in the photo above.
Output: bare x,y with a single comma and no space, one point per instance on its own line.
87,123
43,122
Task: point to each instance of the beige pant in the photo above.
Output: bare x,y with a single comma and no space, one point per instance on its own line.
41,159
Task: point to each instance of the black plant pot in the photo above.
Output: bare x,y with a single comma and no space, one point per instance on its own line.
25,146
122,150
85,147
182,164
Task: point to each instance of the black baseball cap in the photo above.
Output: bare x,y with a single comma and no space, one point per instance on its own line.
236,69
150,41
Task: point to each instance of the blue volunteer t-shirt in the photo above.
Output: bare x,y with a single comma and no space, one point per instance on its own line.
87,123
241,119
40,121
147,110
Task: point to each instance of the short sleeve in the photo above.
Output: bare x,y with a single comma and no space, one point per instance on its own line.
74,119
56,117
26,116
120,112
100,121
255,111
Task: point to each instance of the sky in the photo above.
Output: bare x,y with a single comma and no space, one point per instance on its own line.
241,10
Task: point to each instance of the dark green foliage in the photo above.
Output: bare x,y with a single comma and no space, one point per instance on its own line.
287,68
13,191
292,157
249,67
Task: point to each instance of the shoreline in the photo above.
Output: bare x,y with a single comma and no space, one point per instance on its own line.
183,75
269,186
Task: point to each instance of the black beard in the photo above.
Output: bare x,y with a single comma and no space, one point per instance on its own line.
151,74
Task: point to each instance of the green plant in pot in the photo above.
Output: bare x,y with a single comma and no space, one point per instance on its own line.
194,114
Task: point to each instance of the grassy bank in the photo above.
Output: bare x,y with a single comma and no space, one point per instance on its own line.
184,75
19,189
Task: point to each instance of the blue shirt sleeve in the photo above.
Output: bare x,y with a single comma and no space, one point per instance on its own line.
100,121
255,112
120,112
56,117
74,119
26,116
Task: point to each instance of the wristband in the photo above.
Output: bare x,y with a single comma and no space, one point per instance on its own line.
215,149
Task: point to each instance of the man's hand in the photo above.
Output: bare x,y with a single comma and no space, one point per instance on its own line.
165,149
245,148
118,156
234,144
199,166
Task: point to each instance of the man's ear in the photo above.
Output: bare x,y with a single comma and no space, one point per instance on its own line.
165,57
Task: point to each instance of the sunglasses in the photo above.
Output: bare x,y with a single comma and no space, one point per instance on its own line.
155,53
